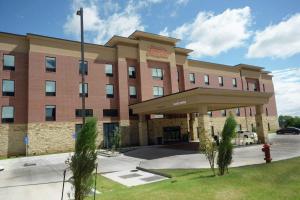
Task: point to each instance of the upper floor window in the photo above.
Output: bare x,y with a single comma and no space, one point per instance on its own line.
157,73
50,113
131,72
223,112
88,112
158,91
50,64
192,78
132,91
237,112
108,69
50,88
86,90
109,90
83,67
221,81
8,88
7,114
206,79
234,82
110,112
8,62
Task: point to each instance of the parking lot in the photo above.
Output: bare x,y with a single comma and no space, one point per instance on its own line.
44,178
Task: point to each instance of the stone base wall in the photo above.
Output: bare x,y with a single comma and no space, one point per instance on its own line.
12,139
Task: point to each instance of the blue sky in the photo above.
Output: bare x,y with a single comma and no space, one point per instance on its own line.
263,33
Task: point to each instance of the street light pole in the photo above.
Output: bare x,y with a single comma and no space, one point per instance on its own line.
82,65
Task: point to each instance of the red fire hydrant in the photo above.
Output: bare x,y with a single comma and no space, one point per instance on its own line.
266,149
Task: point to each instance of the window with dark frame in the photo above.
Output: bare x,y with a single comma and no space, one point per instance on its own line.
131,113
238,112
131,72
192,78
157,73
50,64
109,70
50,113
206,79
132,92
88,112
50,88
7,114
8,62
209,113
110,112
83,68
223,112
110,91
86,89
221,81
251,112
8,88
158,91
234,82
264,89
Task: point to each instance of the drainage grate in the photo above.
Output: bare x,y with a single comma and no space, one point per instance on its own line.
152,178
29,164
130,176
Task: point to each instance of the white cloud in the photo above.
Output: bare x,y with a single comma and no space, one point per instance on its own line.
164,32
210,34
278,41
99,26
287,87
182,2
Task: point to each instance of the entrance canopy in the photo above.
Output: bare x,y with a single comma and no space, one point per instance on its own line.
189,101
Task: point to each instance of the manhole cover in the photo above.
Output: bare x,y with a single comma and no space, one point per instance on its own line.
151,178
130,176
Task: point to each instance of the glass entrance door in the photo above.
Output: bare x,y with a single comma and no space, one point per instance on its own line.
108,129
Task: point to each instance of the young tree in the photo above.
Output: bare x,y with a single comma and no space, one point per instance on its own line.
226,147
209,147
116,139
83,161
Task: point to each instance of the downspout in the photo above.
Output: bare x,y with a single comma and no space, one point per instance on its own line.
244,107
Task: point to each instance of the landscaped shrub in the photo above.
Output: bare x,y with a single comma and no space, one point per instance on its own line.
209,147
226,147
84,159
116,139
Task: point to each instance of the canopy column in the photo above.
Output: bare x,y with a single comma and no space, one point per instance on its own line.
203,119
143,131
261,124
193,126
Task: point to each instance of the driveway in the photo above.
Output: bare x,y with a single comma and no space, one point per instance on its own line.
44,179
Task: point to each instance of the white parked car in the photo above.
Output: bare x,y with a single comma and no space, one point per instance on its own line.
248,137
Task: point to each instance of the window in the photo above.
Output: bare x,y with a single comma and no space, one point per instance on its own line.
86,90
221,82
132,91
234,82
50,88
50,113
108,70
178,74
192,78
8,62
131,113
110,112
237,112
78,128
50,64
83,68
238,127
264,89
157,73
267,112
206,79
109,91
88,112
8,88
255,87
251,112
158,91
131,72
223,112
7,114
209,113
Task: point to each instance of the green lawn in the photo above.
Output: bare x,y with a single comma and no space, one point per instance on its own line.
278,180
